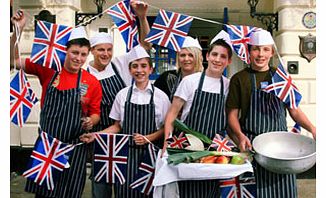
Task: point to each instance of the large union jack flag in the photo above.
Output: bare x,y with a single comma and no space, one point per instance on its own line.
49,46
243,186
125,20
283,87
22,98
239,35
296,128
222,144
110,158
48,159
169,30
144,179
180,141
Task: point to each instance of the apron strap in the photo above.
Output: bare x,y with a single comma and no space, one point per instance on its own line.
152,97
117,73
201,81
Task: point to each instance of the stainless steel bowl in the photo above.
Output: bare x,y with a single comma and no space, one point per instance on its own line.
285,152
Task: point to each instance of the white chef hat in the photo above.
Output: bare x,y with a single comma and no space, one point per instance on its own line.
100,38
78,32
261,37
191,42
136,53
223,35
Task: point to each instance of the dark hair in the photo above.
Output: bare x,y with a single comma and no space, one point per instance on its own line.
222,43
148,59
79,41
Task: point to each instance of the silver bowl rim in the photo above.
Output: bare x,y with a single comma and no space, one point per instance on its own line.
287,158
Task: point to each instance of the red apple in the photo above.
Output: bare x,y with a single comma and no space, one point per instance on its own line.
222,160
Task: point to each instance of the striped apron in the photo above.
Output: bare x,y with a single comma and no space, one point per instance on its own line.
173,83
141,119
110,87
207,115
61,118
267,113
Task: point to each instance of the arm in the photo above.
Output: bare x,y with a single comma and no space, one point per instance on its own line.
140,140
171,115
141,9
18,19
89,137
235,130
300,117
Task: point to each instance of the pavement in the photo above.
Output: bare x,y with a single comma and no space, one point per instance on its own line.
306,185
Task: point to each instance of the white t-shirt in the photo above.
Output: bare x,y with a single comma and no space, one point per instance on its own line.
121,64
161,101
189,84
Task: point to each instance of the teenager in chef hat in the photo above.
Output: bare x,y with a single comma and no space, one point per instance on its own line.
261,112
201,97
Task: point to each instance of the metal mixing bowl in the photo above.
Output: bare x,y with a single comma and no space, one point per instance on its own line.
285,152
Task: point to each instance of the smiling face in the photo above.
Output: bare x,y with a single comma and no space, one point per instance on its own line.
186,60
75,58
260,56
140,70
218,59
102,55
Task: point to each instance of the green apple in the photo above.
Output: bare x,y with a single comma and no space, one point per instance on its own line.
237,159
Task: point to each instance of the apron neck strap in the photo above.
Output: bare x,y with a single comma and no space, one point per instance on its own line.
57,73
130,93
201,82
253,78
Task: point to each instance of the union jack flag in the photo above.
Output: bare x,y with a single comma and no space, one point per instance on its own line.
125,20
180,141
22,98
144,179
239,35
49,46
222,144
243,186
169,30
283,87
48,159
296,128
110,158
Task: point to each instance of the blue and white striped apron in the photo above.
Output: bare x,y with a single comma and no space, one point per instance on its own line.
267,113
110,87
173,83
61,118
207,115
138,118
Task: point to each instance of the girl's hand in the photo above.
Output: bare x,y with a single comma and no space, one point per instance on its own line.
87,137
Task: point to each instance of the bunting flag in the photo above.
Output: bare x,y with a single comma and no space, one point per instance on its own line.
144,179
243,186
222,144
110,158
125,20
22,98
180,141
283,87
239,35
169,30
48,159
296,128
49,46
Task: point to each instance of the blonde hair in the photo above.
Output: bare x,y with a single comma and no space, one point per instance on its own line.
198,56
